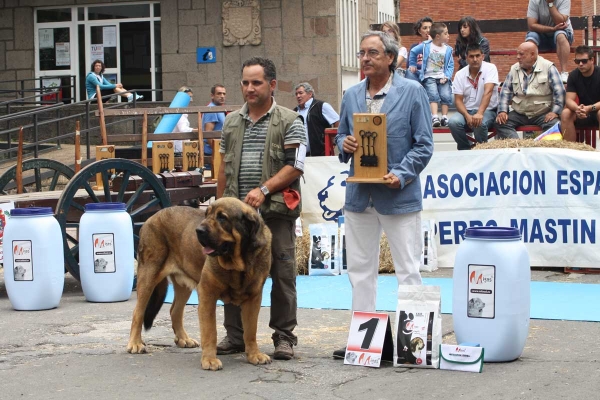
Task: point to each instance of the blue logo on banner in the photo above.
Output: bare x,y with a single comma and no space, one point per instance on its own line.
206,55
333,182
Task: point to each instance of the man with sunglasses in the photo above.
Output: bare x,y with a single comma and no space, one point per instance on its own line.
583,84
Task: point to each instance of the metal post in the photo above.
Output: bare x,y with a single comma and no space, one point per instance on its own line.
134,106
87,130
22,88
35,135
58,114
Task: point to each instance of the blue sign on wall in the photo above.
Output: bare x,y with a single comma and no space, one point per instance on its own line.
206,55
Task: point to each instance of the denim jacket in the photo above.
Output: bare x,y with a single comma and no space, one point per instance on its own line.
425,48
409,146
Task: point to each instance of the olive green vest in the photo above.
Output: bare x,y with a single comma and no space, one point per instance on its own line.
233,133
538,100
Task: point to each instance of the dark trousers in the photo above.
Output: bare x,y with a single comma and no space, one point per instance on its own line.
507,130
283,292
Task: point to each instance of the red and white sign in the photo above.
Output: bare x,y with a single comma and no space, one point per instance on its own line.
366,338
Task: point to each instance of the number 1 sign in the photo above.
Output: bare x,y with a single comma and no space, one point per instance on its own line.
369,339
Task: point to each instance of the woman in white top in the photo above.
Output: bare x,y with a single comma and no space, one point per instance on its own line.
391,28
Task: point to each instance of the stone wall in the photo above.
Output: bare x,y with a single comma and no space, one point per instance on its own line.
300,36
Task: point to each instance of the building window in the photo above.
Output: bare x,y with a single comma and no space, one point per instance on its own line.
385,11
349,33
119,12
54,15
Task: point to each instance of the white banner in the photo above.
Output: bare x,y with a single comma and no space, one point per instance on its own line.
551,195
323,189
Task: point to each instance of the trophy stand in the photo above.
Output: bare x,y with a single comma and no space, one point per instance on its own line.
370,159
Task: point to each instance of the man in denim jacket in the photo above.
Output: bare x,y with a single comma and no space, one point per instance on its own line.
396,206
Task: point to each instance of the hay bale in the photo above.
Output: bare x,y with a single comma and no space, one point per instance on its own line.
520,143
303,251
386,265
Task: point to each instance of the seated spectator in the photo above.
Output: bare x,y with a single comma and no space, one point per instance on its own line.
469,33
391,28
421,29
96,78
436,72
583,83
550,29
534,90
183,125
475,89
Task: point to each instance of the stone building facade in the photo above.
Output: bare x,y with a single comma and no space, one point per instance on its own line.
302,37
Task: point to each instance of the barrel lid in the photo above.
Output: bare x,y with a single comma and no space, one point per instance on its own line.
105,207
492,232
31,211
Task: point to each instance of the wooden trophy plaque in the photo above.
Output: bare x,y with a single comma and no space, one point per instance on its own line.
163,156
102,153
191,155
370,159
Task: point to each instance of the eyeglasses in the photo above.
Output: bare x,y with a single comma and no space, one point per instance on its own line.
583,61
187,91
371,54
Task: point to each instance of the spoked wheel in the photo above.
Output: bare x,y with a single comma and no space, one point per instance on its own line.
149,197
43,169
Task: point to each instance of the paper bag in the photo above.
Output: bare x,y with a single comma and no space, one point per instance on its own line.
323,249
461,358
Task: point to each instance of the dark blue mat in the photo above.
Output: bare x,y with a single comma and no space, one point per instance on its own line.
549,300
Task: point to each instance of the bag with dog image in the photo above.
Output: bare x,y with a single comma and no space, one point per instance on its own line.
418,327
429,260
323,249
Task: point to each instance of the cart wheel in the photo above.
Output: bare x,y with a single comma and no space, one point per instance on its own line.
148,198
38,165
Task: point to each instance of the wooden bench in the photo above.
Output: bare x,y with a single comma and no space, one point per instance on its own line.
587,135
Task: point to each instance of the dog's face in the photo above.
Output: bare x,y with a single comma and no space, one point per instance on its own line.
230,227
476,306
19,273
100,265
416,345
332,209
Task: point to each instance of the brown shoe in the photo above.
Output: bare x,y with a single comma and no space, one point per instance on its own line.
226,346
283,350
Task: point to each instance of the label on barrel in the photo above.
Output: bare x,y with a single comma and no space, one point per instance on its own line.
482,291
22,260
104,253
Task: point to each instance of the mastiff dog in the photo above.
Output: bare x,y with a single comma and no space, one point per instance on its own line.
224,254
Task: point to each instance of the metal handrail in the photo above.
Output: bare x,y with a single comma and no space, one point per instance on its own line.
58,108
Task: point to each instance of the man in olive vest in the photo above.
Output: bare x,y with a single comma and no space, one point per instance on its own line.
317,116
534,89
264,147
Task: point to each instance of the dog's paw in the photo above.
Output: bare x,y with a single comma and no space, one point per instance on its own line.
258,359
211,363
186,342
136,347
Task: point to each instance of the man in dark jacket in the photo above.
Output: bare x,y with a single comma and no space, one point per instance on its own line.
317,116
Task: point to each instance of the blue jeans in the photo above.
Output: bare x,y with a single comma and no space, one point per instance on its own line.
547,41
459,128
438,92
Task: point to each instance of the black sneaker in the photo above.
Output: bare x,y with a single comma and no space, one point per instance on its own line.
226,346
444,121
435,122
339,354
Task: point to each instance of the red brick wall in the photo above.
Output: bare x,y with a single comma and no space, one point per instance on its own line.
411,11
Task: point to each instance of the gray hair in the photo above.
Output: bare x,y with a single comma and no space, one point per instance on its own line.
307,87
390,45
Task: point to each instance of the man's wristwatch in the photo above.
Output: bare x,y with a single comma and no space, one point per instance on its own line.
550,5
264,190
593,107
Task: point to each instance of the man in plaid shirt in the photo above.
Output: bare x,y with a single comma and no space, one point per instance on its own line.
534,89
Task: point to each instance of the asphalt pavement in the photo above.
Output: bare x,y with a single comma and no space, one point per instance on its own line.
78,351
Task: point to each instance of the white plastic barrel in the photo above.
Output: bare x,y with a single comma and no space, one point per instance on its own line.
34,263
106,252
491,298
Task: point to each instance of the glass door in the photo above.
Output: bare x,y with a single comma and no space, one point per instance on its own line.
102,44
136,55
55,57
